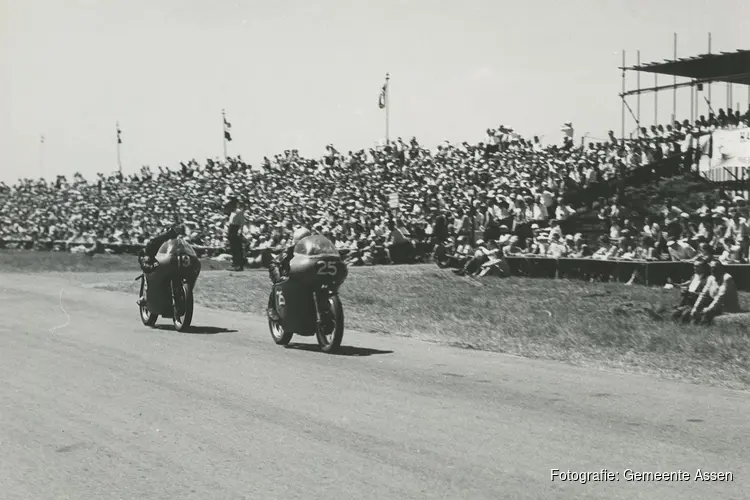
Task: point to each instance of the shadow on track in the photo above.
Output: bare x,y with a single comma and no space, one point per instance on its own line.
344,350
199,330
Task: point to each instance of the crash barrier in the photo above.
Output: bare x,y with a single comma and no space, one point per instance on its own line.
647,272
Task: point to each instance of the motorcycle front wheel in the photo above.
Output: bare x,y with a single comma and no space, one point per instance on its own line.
183,307
331,327
279,336
147,317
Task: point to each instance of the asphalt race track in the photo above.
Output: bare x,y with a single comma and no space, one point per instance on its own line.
97,406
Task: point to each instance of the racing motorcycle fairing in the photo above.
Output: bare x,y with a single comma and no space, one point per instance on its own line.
177,263
316,271
296,307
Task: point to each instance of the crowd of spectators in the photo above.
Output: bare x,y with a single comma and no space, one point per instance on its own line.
468,202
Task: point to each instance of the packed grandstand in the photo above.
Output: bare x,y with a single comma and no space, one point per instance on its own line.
521,197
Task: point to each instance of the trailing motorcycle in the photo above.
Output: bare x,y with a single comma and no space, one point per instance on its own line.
169,286
307,300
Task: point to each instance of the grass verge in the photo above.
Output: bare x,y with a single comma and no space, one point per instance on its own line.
596,325
33,262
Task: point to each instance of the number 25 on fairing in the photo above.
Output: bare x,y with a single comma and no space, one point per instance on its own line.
328,268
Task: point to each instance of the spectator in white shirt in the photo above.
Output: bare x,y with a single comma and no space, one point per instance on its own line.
563,211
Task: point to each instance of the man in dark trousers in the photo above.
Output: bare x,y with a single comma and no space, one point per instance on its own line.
234,233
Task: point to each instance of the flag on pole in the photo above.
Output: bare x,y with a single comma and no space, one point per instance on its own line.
383,96
227,128
119,139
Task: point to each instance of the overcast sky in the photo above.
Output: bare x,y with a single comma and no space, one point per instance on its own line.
303,73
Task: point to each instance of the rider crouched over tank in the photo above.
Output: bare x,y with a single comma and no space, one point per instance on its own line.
147,256
279,267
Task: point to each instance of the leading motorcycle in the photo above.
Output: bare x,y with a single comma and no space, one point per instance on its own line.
169,286
307,300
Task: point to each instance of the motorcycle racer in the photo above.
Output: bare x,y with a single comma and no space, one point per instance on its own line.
280,266
147,256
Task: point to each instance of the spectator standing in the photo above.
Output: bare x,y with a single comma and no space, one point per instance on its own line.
234,234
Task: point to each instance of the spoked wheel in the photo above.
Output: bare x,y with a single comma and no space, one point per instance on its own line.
331,326
147,317
277,332
183,306
280,337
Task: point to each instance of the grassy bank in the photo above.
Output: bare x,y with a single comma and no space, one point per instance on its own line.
33,262
599,325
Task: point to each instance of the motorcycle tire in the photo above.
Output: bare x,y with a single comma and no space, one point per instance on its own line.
329,342
147,317
278,334
182,323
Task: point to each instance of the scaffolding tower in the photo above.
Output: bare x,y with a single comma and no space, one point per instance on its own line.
731,68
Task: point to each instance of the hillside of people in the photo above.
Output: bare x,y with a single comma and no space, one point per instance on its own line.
638,199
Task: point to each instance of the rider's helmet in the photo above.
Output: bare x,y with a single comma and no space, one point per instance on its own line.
299,234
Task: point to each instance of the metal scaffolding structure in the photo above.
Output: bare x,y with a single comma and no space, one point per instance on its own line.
730,68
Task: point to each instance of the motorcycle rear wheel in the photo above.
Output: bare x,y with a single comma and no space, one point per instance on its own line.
182,321
330,335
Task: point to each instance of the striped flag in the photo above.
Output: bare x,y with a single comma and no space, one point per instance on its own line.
227,128
382,101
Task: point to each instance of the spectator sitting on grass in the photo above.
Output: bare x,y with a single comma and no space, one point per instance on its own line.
717,297
453,254
473,266
690,291
496,265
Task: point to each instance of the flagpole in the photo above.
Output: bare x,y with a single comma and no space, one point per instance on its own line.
224,131
119,160
41,157
387,109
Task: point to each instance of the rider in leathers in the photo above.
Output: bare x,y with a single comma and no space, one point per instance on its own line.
280,265
147,256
